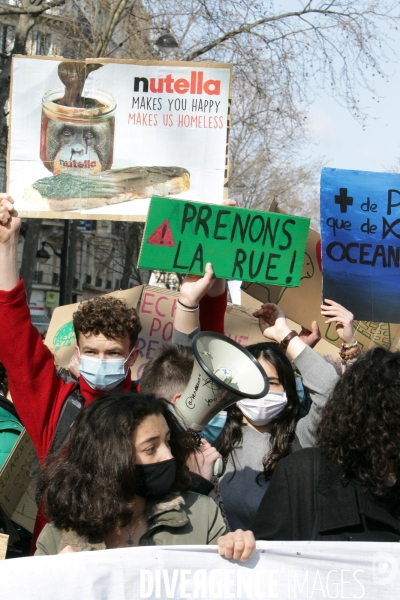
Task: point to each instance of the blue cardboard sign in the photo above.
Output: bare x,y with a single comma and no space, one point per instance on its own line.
360,231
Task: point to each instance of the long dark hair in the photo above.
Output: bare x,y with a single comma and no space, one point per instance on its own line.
360,424
282,428
90,485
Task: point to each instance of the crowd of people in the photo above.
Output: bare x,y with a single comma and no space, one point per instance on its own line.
316,458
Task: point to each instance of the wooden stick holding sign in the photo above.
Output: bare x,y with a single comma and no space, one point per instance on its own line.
241,244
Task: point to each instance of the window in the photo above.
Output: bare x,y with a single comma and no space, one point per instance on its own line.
43,43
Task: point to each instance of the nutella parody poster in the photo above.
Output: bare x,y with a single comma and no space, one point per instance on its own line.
96,139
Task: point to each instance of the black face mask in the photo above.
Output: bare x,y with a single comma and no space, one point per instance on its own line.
155,480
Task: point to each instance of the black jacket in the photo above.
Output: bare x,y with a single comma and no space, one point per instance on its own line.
306,480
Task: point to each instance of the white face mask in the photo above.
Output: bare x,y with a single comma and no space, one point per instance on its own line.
264,410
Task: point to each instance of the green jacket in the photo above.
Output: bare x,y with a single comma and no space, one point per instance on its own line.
10,428
186,519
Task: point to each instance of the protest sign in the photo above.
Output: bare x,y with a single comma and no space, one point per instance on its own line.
60,337
14,475
241,244
157,310
360,215
128,131
26,509
283,570
303,305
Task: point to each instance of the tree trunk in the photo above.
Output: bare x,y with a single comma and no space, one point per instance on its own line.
29,254
71,264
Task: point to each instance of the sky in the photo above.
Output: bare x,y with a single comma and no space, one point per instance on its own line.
341,140
343,143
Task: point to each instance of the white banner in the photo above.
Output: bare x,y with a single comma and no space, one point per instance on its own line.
283,570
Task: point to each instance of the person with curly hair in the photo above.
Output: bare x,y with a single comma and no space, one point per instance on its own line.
121,481
348,487
106,332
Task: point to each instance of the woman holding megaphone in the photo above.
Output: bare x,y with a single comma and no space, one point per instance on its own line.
122,482
259,433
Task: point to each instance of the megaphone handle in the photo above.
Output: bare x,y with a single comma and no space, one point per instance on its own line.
218,467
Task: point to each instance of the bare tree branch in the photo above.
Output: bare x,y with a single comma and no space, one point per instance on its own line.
34,9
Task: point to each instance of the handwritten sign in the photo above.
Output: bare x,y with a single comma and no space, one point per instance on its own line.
14,475
360,218
242,244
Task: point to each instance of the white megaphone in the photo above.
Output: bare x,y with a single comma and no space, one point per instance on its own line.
223,372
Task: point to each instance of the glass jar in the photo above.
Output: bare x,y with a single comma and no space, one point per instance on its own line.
77,140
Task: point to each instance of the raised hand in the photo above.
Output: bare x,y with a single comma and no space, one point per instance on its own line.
311,338
272,322
342,317
193,287
9,221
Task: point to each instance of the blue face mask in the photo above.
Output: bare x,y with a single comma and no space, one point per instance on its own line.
103,374
213,429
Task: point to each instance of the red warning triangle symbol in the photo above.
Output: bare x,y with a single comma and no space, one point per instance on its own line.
162,236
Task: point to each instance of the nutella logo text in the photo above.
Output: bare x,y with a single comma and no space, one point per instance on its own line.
196,85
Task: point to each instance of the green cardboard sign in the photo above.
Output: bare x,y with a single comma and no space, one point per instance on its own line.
248,245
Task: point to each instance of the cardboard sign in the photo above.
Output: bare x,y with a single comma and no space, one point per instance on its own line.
14,475
137,129
60,338
241,244
157,310
3,545
303,305
26,509
360,217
